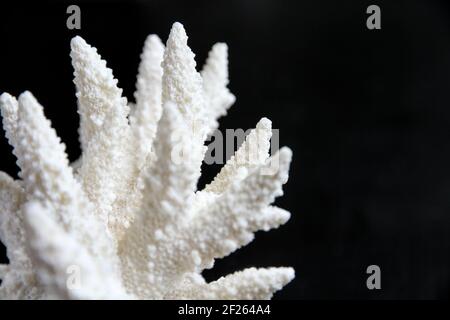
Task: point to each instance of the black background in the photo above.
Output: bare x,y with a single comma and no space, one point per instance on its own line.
366,112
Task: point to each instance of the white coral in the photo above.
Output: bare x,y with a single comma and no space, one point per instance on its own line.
126,215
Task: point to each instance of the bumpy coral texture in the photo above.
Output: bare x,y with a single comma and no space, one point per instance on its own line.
126,218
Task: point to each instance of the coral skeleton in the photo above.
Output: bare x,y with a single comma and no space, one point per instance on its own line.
126,221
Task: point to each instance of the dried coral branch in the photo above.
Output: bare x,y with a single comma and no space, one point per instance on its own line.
148,109
130,222
215,82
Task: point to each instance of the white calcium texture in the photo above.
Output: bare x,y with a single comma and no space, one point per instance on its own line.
126,221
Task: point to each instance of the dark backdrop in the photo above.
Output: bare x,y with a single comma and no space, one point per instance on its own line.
367,114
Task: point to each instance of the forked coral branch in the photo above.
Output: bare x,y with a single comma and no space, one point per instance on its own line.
127,221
